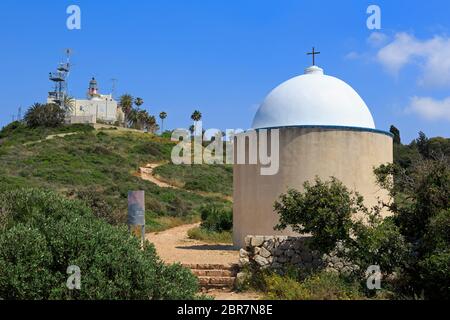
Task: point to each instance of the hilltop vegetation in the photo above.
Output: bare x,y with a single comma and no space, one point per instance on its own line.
100,167
42,234
205,178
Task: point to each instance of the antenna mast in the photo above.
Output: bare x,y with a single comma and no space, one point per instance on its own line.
59,78
114,87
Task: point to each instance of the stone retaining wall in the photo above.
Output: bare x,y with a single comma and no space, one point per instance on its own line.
279,252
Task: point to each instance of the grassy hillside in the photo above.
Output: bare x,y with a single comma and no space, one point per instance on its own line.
217,179
100,167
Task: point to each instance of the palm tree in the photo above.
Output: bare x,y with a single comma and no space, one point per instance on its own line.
152,126
69,104
196,116
131,118
138,102
162,116
192,129
126,104
142,119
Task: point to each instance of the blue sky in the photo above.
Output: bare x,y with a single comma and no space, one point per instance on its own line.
224,56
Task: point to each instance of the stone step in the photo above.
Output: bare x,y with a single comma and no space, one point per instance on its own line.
231,267
215,276
217,282
213,273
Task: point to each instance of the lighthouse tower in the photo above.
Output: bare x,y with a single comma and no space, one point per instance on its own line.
93,89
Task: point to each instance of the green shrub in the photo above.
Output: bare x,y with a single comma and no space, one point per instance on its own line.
216,218
319,286
100,207
422,213
379,243
210,236
42,234
204,178
24,264
324,209
44,115
434,272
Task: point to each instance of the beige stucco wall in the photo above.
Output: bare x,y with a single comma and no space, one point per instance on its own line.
347,154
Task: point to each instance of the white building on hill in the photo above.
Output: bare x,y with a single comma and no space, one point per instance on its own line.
95,108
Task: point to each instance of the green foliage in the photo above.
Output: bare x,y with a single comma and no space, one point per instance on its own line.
99,168
434,271
216,218
43,234
44,115
378,243
318,286
99,206
421,212
205,178
210,236
324,210
18,133
396,133
196,116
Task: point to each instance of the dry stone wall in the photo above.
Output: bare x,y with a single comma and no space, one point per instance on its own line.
279,252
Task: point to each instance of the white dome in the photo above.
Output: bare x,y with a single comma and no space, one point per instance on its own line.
313,99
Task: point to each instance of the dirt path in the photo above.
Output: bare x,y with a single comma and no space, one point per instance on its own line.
174,246
51,137
147,174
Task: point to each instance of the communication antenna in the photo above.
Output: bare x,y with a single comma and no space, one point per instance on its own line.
68,52
59,78
114,87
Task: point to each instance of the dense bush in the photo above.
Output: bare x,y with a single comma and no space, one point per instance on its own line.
216,218
100,207
42,234
412,246
422,212
45,115
324,209
377,243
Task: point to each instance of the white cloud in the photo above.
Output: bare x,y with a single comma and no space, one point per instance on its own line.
352,55
430,108
431,55
377,39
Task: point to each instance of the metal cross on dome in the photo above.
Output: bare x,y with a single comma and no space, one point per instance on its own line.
313,53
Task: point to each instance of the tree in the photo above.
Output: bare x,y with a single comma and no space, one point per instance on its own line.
196,116
162,116
142,119
396,133
422,213
45,115
69,104
132,118
126,104
138,102
422,145
324,209
152,126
